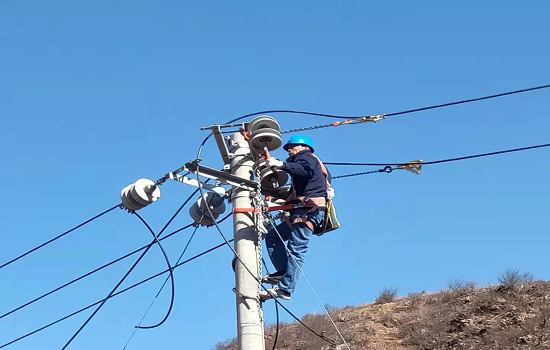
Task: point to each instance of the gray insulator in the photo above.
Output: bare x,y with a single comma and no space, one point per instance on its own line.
263,122
270,179
266,138
199,212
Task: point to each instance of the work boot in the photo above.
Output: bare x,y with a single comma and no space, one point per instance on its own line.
274,292
273,278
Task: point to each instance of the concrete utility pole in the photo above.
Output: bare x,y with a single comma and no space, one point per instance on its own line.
250,328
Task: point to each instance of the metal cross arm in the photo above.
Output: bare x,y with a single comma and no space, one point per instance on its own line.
221,176
196,183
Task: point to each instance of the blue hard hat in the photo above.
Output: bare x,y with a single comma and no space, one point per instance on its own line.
299,140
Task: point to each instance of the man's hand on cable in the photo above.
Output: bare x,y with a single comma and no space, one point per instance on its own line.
274,163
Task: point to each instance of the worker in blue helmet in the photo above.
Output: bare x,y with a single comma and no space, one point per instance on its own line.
310,180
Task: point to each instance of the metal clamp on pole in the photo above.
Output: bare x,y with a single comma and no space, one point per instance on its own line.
414,166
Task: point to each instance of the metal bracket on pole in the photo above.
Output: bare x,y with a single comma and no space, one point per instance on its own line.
222,141
222,176
194,182
414,166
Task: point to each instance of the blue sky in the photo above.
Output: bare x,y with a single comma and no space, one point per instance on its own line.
94,96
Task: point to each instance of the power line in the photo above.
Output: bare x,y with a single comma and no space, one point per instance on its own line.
127,273
468,100
289,253
115,294
171,274
92,272
375,118
445,160
161,288
59,236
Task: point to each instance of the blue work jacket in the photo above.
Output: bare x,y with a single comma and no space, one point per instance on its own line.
308,179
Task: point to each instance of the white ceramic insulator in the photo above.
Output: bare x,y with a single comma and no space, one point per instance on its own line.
139,194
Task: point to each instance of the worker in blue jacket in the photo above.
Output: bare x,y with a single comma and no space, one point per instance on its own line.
310,181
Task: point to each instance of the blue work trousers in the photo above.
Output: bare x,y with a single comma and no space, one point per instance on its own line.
297,238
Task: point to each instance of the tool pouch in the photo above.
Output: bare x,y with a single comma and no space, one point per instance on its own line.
331,222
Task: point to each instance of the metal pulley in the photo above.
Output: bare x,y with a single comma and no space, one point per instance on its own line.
265,132
200,213
270,179
139,194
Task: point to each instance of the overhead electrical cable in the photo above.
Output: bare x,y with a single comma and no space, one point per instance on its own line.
468,100
160,289
170,275
388,166
350,120
115,294
289,253
59,236
128,272
92,272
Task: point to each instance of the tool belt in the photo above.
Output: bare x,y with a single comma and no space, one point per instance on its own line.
312,204
330,221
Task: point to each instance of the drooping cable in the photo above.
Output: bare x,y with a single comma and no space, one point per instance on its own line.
170,275
92,272
58,236
127,273
115,294
289,253
160,290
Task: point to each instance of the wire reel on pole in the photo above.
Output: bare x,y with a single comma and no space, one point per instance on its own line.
139,194
200,213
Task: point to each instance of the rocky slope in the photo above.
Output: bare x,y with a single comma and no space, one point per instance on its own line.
510,316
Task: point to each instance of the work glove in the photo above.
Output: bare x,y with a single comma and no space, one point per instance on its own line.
274,163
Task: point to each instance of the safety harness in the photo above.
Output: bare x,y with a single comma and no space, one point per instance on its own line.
313,204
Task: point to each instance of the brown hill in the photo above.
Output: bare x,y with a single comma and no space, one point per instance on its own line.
509,316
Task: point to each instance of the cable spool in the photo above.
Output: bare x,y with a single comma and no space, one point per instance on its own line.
200,213
270,179
265,132
139,194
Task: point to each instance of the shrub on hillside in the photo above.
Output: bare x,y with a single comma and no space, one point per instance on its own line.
387,295
511,278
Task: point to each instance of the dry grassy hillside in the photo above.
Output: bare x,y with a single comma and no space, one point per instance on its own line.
513,315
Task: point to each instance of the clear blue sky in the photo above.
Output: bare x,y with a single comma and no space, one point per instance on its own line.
96,95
